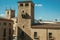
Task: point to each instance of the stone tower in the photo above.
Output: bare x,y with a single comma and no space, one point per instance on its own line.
10,14
25,17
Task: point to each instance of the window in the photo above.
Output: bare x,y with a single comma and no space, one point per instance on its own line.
50,35
8,12
35,34
4,39
22,34
9,31
23,16
23,26
26,4
9,23
9,38
4,32
5,24
21,4
0,24
23,11
26,14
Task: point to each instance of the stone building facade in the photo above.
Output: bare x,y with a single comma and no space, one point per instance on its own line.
25,28
29,30
45,31
10,14
25,19
6,29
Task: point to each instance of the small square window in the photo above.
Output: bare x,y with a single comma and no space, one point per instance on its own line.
50,35
26,4
35,34
21,4
23,11
9,23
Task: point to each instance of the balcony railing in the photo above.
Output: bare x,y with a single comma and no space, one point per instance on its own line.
26,16
37,38
51,38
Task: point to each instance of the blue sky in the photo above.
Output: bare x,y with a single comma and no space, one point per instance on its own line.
44,9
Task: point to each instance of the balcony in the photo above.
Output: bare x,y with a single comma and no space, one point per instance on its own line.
51,38
23,16
37,38
26,16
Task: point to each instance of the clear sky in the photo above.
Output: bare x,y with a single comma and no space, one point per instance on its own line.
44,9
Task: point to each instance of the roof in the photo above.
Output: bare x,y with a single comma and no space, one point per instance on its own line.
46,25
4,19
25,2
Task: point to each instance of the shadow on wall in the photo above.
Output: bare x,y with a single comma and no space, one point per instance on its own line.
22,35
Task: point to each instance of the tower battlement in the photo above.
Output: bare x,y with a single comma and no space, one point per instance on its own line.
10,13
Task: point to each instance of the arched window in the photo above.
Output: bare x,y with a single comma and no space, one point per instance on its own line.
0,24
9,31
4,32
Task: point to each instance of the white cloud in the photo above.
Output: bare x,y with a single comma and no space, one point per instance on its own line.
39,5
3,15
